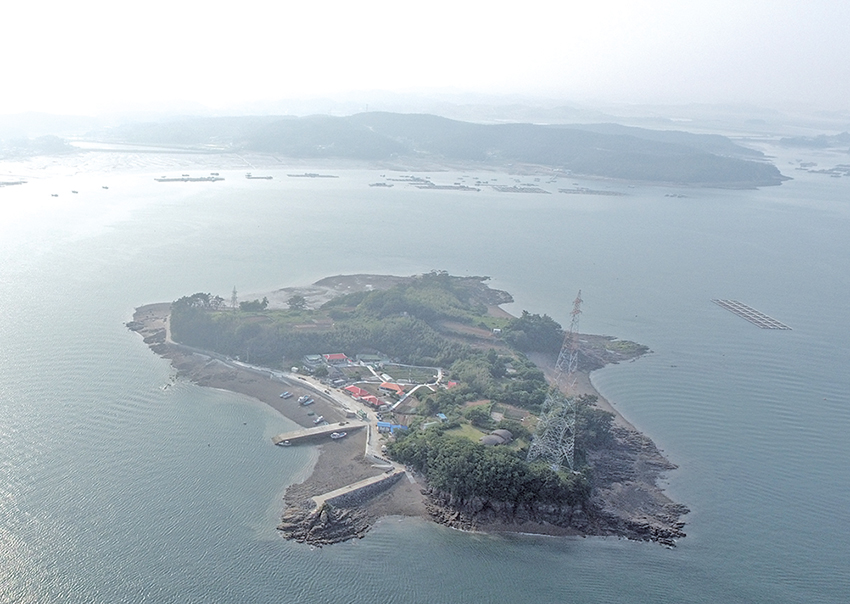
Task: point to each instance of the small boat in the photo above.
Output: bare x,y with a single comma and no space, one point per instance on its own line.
338,435
284,443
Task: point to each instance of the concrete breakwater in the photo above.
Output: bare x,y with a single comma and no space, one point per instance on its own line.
340,515
358,492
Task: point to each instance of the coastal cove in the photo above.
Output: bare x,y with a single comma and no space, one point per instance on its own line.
624,501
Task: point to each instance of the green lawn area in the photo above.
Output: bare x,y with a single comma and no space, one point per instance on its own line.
417,375
492,322
353,372
467,431
511,412
474,434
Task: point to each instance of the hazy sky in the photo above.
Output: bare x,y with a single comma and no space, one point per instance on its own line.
89,56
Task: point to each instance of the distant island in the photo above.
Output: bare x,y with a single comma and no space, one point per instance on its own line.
420,140
19,148
430,378
821,141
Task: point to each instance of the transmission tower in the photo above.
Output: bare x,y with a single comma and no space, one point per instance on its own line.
555,438
568,357
233,298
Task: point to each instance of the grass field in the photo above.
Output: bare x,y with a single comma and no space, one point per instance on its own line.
417,375
467,431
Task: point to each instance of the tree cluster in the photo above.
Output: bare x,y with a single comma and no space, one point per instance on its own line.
534,333
254,305
464,469
485,375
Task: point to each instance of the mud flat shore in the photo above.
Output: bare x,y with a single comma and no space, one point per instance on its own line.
626,500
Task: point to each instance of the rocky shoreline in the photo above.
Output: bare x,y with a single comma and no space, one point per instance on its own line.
344,518
625,501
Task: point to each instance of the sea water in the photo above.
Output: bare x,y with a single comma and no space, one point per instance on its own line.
118,484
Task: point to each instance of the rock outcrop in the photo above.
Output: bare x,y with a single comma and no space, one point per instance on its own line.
625,500
324,526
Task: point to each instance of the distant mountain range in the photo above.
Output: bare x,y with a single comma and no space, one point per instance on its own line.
48,144
822,141
601,150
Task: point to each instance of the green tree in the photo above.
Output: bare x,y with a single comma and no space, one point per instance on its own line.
297,302
534,333
254,305
479,416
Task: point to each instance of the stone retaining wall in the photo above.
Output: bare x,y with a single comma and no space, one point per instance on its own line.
364,493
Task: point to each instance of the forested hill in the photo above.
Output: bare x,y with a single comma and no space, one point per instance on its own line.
603,150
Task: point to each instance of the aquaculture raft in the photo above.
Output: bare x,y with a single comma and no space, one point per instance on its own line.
751,314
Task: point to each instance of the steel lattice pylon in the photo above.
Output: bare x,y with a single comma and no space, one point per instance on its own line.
555,437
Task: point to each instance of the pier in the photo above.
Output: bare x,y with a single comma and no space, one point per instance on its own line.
317,432
751,314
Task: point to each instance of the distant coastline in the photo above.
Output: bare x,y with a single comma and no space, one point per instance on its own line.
626,500
427,142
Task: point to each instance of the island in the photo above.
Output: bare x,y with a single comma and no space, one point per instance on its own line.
426,398
422,142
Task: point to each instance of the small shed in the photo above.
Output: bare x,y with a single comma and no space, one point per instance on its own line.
391,428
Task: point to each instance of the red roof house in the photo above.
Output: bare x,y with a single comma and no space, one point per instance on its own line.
356,392
390,387
371,400
335,358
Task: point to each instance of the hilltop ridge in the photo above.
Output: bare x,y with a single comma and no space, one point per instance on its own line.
598,150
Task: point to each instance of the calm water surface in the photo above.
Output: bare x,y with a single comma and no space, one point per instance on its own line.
116,489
